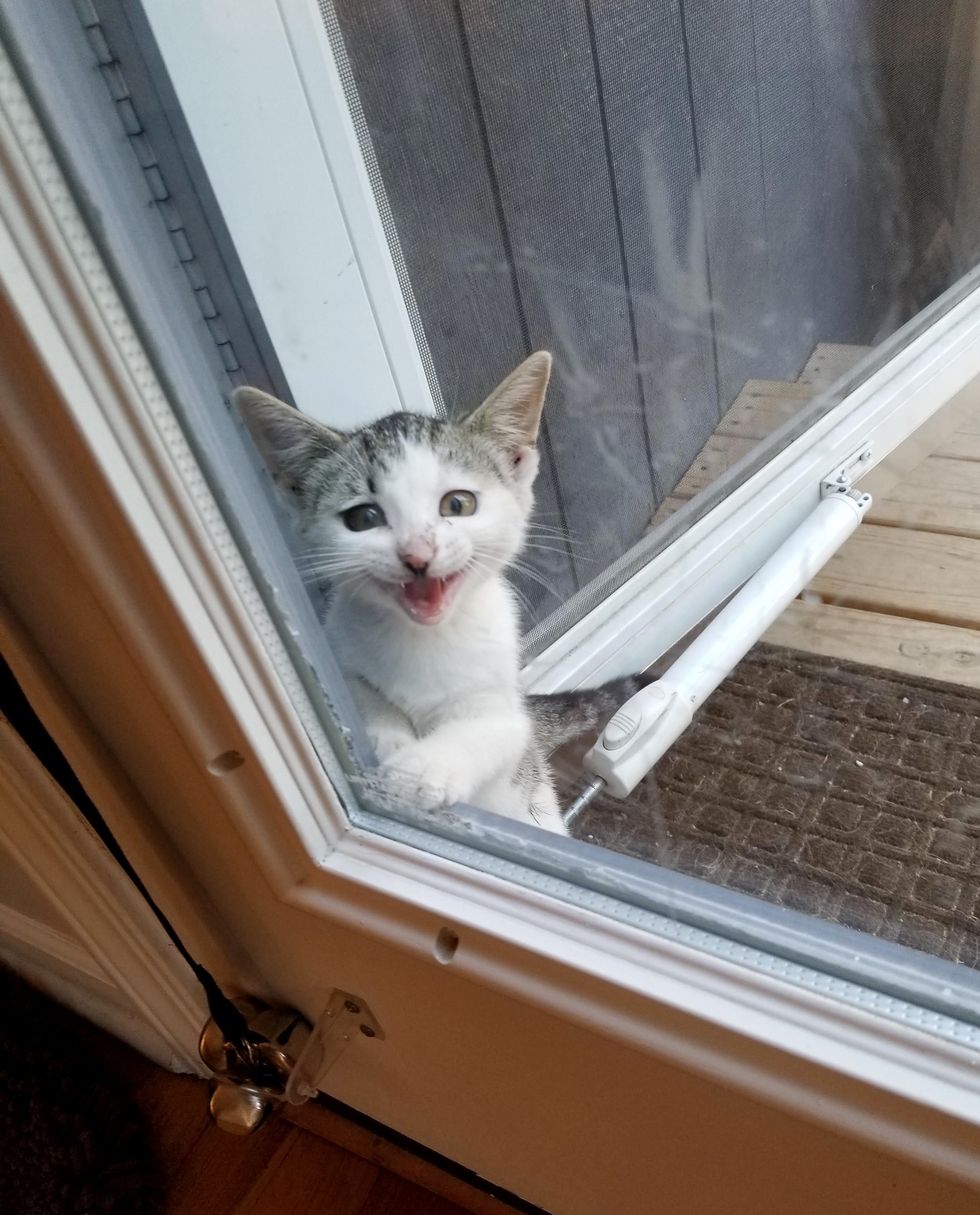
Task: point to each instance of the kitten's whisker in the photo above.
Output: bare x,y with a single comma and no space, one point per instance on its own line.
571,546
317,554
529,610
560,533
478,563
315,569
348,582
530,572
551,548
324,554
328,563
320,569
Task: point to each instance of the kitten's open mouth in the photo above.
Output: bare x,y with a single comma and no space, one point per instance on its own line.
427,599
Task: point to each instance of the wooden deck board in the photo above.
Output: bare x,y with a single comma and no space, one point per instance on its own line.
716,457
760,408
911,647
900,572
829,361
964,445
941,495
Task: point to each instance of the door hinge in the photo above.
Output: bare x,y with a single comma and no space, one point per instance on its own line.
279,1057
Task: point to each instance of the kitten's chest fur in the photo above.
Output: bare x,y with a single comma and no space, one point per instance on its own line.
433,674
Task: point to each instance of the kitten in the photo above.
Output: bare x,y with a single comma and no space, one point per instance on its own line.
414,521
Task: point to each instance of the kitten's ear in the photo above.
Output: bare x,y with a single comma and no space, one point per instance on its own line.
289,441
511,414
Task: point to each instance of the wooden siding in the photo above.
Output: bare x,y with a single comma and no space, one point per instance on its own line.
674,198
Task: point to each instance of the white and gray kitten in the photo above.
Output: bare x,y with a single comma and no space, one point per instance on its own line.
414,521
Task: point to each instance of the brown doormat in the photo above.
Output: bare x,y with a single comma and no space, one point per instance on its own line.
840,790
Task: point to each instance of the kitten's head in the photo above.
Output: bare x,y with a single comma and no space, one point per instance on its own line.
410,511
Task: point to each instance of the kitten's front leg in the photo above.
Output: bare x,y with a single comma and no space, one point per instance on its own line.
456,758
388,729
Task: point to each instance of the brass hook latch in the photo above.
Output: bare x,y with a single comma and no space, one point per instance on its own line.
278,1057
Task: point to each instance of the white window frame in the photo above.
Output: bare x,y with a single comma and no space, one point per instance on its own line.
262,94
101,448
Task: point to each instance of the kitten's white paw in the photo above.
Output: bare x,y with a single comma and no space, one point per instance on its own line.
387,743
422,772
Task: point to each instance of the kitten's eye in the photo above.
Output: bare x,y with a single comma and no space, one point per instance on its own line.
362,518
458,502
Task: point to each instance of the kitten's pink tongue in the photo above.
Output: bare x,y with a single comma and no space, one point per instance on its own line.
426,598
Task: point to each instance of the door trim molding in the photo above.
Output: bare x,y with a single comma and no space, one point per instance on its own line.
119,942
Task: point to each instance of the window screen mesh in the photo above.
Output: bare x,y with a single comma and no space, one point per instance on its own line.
673,198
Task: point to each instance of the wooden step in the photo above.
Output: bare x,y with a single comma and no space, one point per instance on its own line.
911,647
759,409
941,495
829,361
901,572
965,444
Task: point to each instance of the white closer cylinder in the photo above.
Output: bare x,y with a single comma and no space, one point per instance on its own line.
650,722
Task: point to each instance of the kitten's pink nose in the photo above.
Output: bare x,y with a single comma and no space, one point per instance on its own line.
416,559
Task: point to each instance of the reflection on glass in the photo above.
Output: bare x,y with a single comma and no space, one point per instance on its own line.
684,203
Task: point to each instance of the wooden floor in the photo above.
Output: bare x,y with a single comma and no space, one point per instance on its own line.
904,592
289,1167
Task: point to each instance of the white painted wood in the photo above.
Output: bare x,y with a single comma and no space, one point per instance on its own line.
897,643
261,93
116,941
36,937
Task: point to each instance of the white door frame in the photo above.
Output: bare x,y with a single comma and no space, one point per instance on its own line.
263,95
